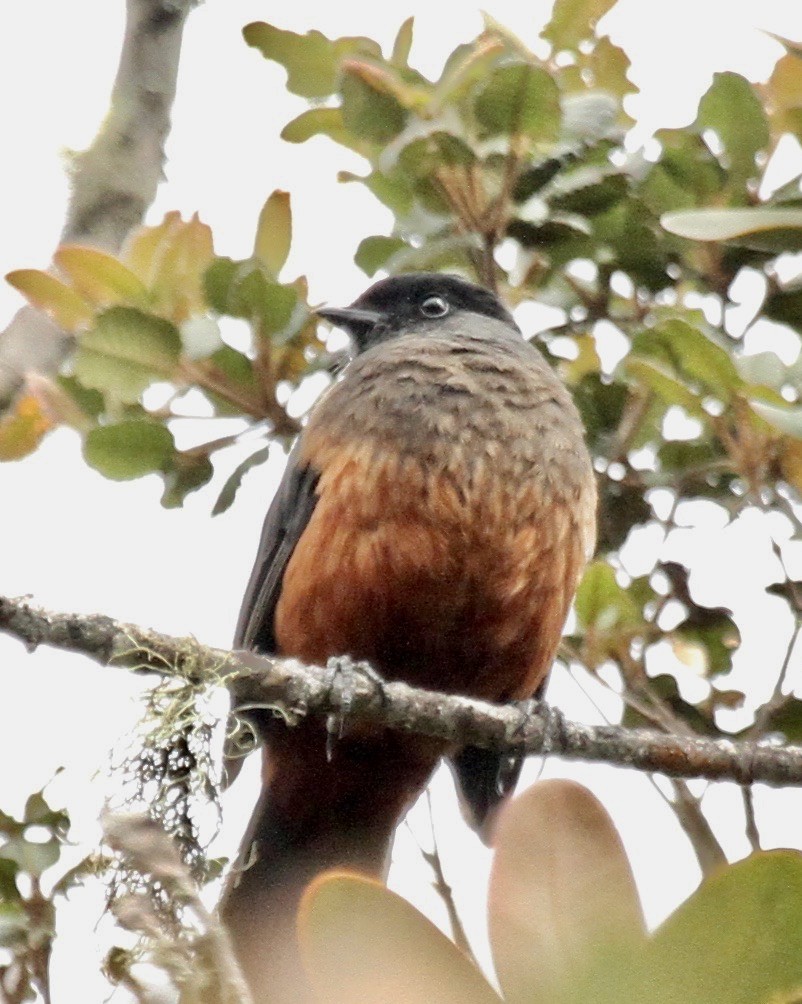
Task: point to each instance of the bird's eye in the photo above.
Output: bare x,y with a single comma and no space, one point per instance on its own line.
434,306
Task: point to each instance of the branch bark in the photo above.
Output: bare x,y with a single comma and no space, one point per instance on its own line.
353,690
115,180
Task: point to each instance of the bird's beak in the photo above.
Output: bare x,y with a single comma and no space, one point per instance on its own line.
352,319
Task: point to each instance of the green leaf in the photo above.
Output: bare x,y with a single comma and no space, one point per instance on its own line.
610,65
519,98
715,641
760,227
691,354
785,307
274,232
373,253
735,113
630,233
573,21
686,175
665,688
126,351
234,481
601,404
664,384
786,719
439,255
534,179
8,881
467,66
369,113
38,813
622,507
588,191
748,917
393,189
361,943
548,923
89,401
14,925
187,473
129,449
238,369
424,154
243,289
601,603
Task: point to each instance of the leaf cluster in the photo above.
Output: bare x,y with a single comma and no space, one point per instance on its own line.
565,925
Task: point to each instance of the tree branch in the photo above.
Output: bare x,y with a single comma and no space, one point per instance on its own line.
353,690
115,180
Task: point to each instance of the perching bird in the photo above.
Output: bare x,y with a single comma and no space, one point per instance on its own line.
434,518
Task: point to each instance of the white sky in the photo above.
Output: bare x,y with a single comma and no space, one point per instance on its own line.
77,542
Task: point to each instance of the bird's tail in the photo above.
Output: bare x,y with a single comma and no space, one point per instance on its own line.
318,810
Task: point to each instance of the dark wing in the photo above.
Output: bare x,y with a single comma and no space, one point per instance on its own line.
286,520
484,778
287,517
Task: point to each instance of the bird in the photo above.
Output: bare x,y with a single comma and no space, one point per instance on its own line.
434,519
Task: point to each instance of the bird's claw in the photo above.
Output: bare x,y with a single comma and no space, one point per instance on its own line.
553,723
335,721
551,717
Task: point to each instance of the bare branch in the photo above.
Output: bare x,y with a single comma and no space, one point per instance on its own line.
353,690
115,180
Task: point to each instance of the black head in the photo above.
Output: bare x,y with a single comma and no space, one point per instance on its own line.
410,303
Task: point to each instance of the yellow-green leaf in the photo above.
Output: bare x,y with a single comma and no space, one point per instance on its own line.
23,428
573,21
69,310
274,232
784,93
562,896
362,944
738,940
403,43
310,60
144,249
100,278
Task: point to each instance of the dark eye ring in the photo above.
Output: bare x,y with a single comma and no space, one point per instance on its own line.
434,306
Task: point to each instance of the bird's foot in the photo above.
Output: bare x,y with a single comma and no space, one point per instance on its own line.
551,717
339,666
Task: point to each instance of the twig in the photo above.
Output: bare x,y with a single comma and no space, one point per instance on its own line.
115,180
150,852
688,810
443,889
752,832
300,689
